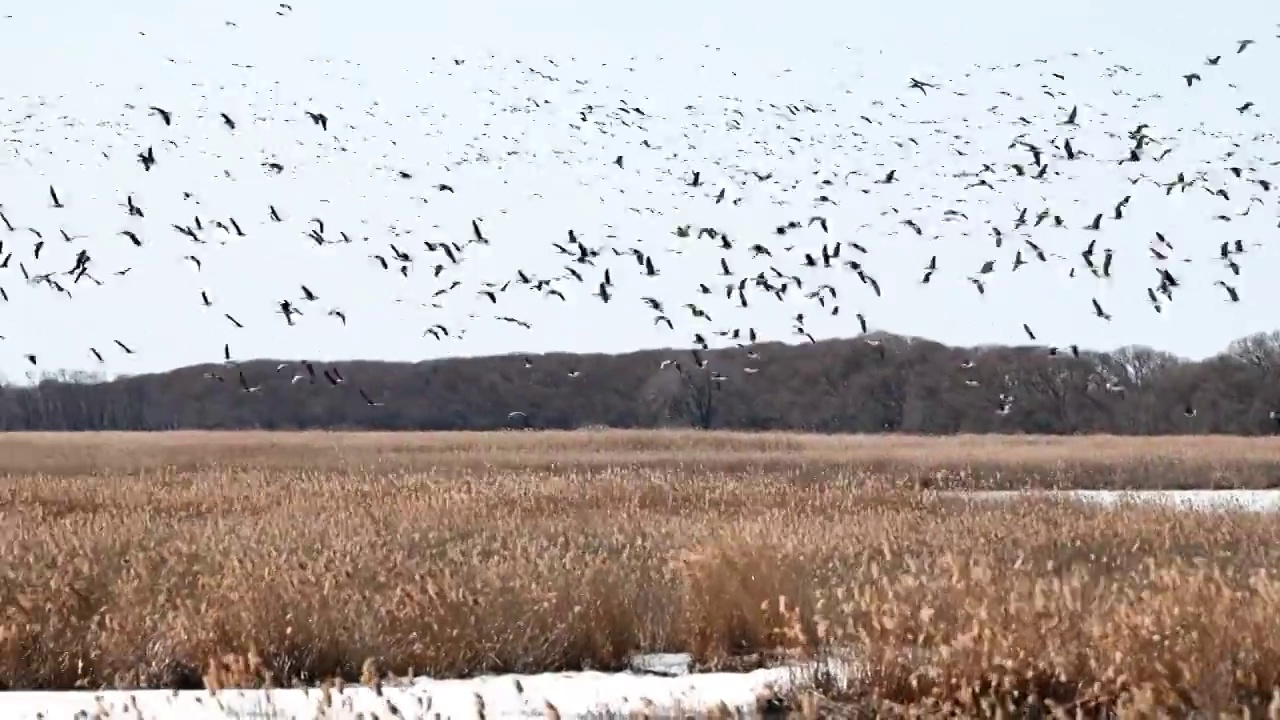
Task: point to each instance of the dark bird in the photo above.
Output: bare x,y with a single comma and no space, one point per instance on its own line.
244,384
147,159
921,85
321,120
288,310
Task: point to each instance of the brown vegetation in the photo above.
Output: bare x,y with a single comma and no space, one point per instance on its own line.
237,558
840,386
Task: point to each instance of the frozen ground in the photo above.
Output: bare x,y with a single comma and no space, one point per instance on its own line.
1253,500
661,686
565,695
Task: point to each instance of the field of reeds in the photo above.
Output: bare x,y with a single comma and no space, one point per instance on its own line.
186,559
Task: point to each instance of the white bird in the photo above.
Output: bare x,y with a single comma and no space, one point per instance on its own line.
1006,404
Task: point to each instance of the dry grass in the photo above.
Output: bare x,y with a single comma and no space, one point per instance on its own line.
244,558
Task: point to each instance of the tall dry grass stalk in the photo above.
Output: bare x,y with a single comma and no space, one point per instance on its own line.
245,559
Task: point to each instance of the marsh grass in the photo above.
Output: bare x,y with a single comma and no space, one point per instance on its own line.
255,559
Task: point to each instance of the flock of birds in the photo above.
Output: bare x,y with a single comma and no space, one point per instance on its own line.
811,260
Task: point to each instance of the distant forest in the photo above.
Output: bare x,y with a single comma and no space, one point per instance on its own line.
869,384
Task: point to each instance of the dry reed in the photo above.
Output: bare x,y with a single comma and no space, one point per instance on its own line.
252,559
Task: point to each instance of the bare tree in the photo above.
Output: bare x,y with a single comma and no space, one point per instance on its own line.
1260,350
698,400
1137,366
684,395
852,385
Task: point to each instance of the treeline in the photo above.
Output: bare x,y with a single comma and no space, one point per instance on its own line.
870,384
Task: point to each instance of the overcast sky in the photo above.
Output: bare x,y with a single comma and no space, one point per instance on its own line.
505,130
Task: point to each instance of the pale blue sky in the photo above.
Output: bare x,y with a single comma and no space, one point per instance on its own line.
706,75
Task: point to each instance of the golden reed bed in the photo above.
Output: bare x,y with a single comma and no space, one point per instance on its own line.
247,558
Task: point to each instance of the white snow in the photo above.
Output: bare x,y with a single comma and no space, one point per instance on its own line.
572,695
1250,500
